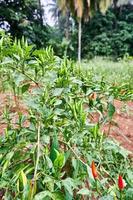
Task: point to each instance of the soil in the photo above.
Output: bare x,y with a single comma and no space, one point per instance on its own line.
121,129
13,105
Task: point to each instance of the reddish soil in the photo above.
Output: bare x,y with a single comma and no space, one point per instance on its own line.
14,106
121,128
122,131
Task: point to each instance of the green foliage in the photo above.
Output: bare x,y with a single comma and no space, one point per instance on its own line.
24,18
50,157
110,34
60,45
104,35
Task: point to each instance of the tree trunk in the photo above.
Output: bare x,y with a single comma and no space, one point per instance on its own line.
67,27
116,12
40,12
79,40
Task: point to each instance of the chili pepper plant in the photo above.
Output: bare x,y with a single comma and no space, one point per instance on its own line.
55,150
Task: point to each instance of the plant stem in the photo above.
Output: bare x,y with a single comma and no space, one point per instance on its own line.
37,161
109,128
74,153
38,150
121,195
108,174
97,189
25,75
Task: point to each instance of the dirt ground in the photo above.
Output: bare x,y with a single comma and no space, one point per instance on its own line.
121,129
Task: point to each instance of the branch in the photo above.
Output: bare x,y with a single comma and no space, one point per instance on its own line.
26,75
37,161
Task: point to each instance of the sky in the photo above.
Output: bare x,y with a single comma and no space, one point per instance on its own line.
48,18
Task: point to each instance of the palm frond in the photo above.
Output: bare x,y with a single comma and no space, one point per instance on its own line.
79,7
104,4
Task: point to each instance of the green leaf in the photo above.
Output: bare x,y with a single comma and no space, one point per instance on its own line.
84,191
68,185
49,162
107,197
43,195
68,196
23,178
25,88
7,60
54,147
53,196
58,196
59,161
57,91
130,175
7,161
58,102
111,110
129,194
49,182
18,79
45,139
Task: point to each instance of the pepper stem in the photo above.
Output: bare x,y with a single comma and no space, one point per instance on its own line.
121,195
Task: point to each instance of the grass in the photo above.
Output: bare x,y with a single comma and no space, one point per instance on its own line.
113,71
117,74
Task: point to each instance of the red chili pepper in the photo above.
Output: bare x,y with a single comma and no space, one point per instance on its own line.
121,183
94,170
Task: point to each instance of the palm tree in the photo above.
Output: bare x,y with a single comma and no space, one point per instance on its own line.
63,21
40,11
83,10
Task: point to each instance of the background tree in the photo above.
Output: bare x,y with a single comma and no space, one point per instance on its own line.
61,14
24,17
101,36
83,10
